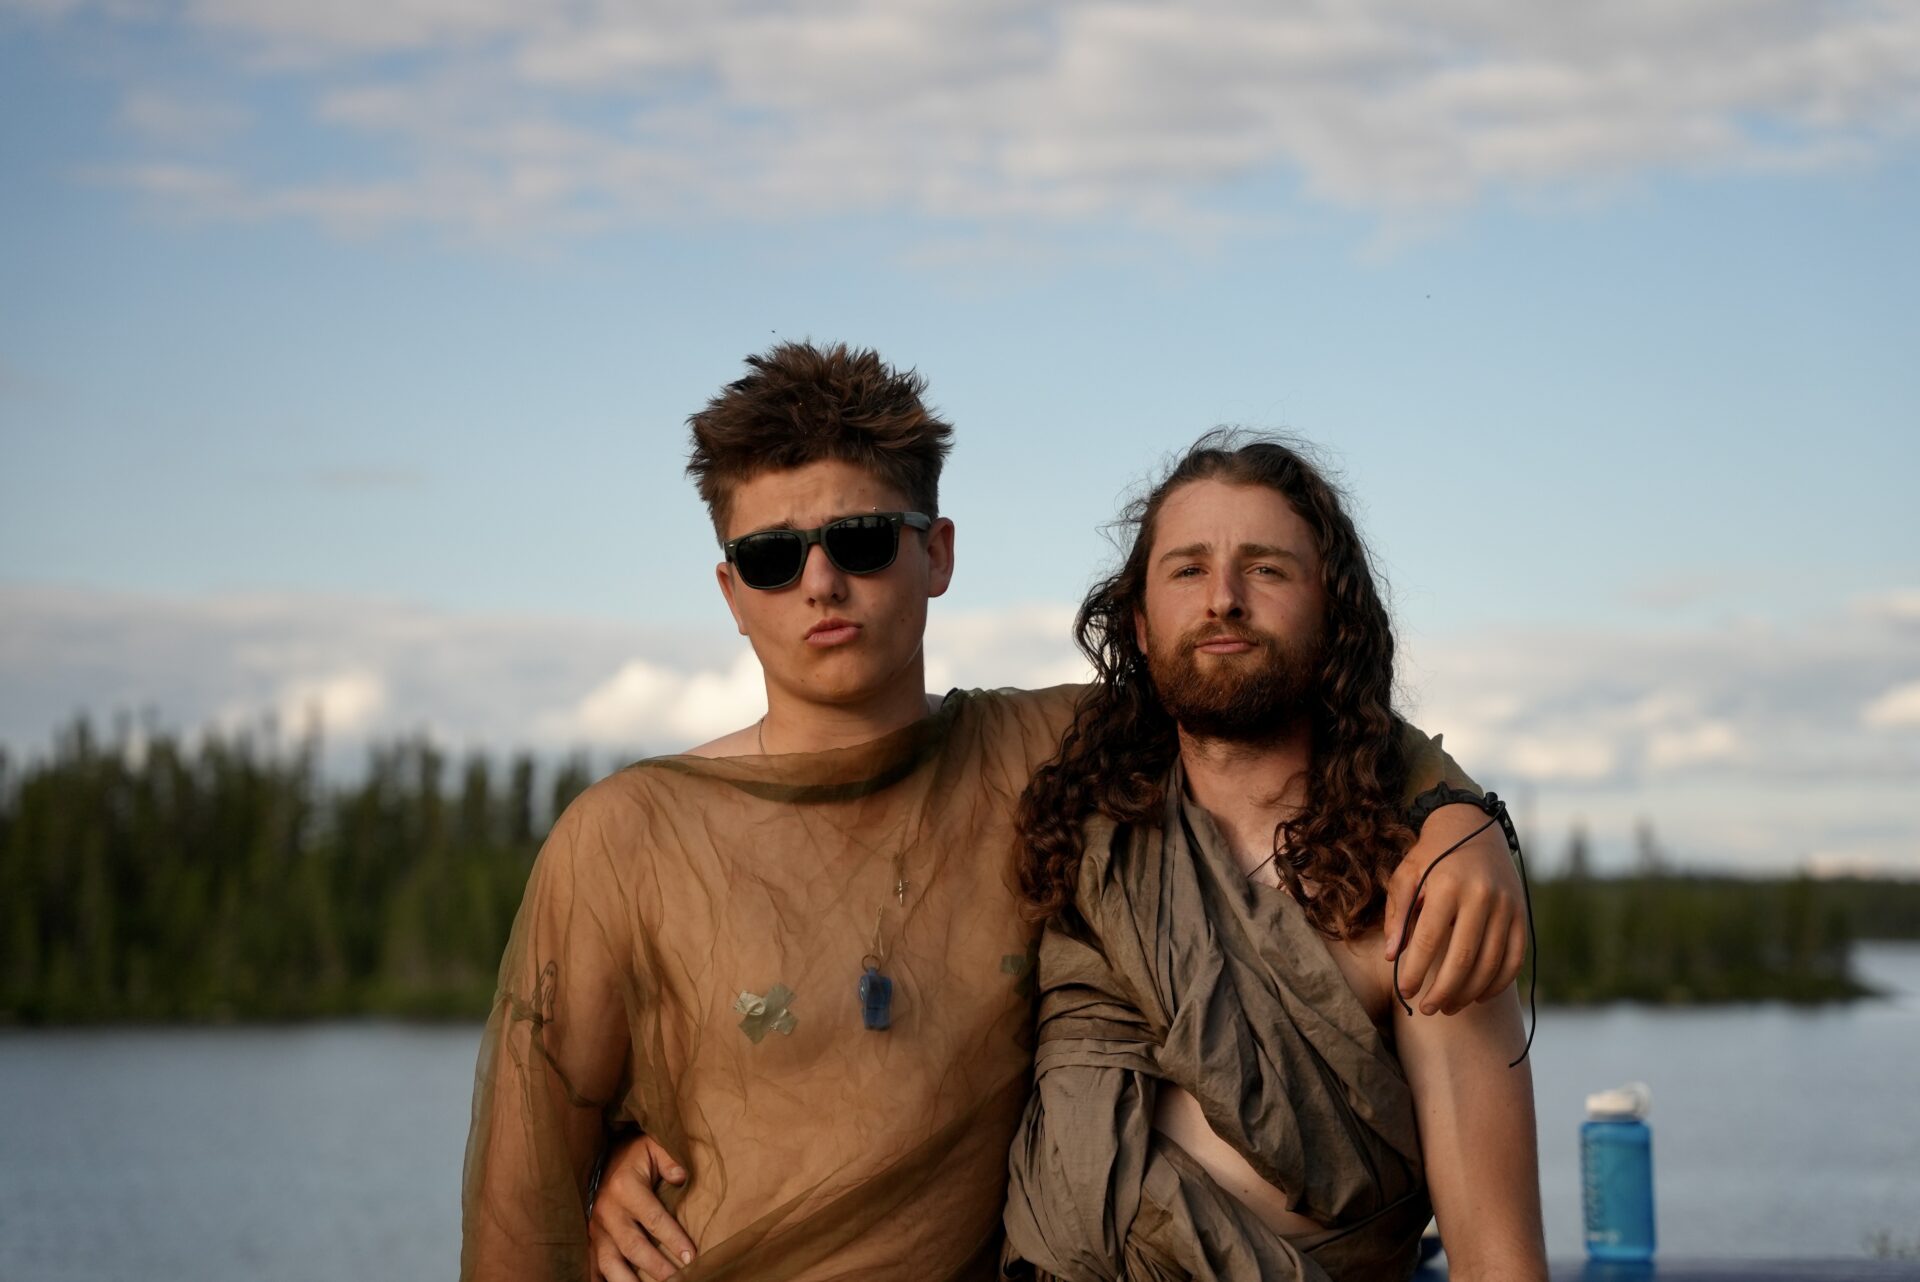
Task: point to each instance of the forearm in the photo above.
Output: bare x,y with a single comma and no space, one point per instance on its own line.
530,1158
1488,1206
517,1225
1477,1136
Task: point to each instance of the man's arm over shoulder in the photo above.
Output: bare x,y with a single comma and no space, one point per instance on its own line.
1030,723
555,1049
1469,926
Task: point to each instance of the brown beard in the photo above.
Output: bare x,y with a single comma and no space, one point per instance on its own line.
1251,697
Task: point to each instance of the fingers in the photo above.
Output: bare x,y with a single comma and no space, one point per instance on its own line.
1400,888
664,1229
635,1248
1467,930
653,1213
1425,944
1516,958
1484,980
1459,949
631,1215
606,1261
664,1163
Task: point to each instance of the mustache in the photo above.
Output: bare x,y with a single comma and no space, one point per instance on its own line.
1211,632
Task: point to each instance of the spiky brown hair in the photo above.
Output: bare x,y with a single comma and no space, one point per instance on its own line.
801,403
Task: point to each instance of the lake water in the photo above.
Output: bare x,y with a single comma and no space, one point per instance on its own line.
333,1151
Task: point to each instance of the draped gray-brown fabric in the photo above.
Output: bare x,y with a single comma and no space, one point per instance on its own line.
686,961
1191,974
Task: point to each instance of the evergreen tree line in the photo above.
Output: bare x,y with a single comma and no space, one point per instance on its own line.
1665,936
153,878
225,879
1677,939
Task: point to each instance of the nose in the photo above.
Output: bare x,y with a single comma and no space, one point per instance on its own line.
821,579
1224,600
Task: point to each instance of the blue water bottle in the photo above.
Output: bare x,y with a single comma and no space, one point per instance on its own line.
1616,1174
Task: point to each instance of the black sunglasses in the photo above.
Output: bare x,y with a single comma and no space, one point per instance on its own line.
865,544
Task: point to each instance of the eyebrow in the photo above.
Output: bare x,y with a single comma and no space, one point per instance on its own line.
793,522
1251,550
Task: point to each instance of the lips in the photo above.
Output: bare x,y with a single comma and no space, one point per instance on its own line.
831,632
1225,643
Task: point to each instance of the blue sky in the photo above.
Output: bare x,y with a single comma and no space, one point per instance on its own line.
347,351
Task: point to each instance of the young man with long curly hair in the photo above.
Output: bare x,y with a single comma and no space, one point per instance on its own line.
1228,1085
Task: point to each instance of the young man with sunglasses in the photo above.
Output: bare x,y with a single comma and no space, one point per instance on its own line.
790,966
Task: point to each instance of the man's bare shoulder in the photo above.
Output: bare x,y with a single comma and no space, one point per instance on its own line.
621,801
743,742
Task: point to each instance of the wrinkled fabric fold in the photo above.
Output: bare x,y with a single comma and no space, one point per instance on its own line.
1187,973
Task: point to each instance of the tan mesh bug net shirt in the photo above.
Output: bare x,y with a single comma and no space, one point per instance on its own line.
687,961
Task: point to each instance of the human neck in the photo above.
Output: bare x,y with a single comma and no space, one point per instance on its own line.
796,724
1248,788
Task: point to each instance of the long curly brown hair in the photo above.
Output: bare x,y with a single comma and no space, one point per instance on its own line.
1114,759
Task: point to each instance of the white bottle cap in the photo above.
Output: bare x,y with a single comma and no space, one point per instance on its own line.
1632,1100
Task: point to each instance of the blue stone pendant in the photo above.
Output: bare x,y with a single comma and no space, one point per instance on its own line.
876,1000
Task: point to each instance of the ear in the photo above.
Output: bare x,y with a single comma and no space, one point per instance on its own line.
939,557
1140,629
724,573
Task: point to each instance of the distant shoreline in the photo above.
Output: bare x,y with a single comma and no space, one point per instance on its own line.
435,1014
224,881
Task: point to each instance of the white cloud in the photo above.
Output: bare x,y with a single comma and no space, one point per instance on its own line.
1898,707
1746,742
1702,743
1898,606
571,114
344,703
1028,646
1627,707
1551,758
644,701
